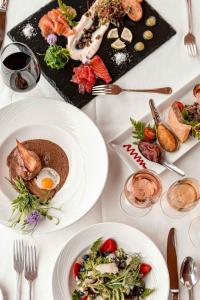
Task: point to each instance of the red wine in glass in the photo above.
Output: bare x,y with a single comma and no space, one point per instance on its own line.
19,67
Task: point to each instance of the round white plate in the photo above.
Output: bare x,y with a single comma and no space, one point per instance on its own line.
127,237
76,134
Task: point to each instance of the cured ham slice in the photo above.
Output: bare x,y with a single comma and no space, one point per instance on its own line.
175,121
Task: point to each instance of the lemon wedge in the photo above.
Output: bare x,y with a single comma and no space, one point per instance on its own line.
113,34
127,35
118,45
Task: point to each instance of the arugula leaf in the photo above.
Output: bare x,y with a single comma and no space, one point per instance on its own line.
146,293
75,295
96,245
185,114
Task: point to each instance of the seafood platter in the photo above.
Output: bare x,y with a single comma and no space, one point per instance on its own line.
80,44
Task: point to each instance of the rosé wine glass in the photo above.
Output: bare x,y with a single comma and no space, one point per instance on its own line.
141,190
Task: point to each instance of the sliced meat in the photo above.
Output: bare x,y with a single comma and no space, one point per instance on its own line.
53,22
135,9
175,121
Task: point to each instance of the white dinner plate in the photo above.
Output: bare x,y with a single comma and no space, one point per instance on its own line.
76,134
127,237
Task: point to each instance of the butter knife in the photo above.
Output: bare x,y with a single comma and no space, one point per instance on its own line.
3,9
172,265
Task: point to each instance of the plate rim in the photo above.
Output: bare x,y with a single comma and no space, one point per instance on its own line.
34,101
97,225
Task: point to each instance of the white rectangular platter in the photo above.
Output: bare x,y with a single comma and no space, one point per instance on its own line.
129,153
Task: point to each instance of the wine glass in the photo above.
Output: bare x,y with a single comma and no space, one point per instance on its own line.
19,67
141,190
181,197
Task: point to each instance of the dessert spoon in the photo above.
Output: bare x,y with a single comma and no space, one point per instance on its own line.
189,275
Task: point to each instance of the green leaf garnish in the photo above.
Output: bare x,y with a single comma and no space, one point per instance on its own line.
68,13
56,57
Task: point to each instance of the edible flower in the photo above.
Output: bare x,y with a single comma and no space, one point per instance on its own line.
51,39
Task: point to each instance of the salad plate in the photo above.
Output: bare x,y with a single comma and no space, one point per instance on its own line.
128,238
124,145
71,129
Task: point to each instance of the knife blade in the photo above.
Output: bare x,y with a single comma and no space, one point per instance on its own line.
172,264
3,8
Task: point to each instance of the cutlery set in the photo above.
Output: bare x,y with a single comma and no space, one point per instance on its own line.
188,273
24,261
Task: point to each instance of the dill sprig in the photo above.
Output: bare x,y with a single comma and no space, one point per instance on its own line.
28,209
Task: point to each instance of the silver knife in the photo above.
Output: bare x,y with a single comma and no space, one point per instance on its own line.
172,264
3,9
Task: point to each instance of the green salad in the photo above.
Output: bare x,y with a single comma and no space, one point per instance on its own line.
107,272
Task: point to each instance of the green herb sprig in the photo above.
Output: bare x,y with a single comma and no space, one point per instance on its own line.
56,57
68,13
25,204
138,129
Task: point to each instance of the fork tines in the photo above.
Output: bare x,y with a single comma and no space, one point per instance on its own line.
18,255
190,45
30,263
101,90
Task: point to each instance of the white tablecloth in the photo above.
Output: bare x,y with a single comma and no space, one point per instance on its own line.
168,66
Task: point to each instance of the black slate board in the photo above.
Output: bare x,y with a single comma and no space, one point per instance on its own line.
60,80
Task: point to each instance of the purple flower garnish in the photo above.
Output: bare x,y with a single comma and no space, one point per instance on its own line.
33,218
51,39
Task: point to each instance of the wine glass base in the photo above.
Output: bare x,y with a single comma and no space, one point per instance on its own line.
194,232
131,210
168,210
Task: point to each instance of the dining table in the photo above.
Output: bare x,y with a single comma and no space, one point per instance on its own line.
169,65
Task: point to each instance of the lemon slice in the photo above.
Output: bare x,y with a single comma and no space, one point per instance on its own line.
113,34
127,35
118,45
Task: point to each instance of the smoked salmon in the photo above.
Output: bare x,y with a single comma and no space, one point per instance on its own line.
175,121
53,22
134,8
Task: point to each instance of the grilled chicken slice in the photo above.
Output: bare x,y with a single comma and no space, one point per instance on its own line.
175,121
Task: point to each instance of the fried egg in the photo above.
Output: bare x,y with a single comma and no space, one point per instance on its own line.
47,179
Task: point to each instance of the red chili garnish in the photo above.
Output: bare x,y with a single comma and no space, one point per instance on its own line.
180,105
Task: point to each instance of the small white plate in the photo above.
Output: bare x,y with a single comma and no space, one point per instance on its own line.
129,153
76,134
131,239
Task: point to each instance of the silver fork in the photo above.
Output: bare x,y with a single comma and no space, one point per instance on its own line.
189,39
30,267
114,89
18,262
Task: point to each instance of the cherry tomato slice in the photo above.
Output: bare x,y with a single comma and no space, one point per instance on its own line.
108,246
145,269
180,105
149,134
76,269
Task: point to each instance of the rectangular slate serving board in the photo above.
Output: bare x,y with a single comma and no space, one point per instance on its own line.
60,79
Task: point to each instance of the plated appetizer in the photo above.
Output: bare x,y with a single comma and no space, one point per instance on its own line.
38,170
84,37
109,272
